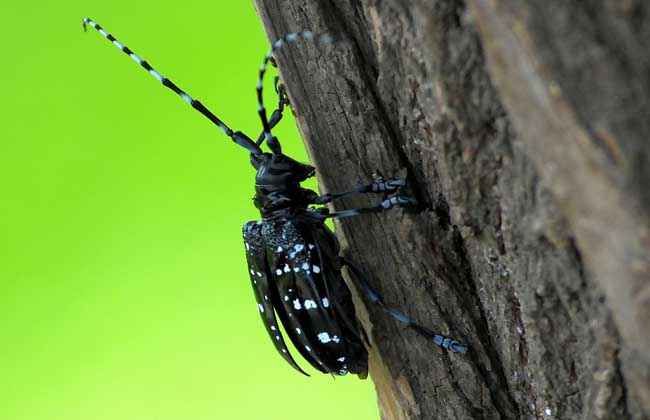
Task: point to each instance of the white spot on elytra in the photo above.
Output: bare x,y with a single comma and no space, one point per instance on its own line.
298,331
336,339
316,269
252,272
279,249
260,307
273,328
311,246
305,266
284,350
259,274
247,246
290,290
277,337
310,304
341,359
547,411
299,247
297,305
286,298
296,269
278,272
326,302
324,337
286,268
308,348
266,297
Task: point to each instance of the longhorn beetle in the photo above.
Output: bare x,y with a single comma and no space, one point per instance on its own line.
293,258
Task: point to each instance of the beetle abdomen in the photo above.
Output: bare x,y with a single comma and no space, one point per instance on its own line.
308,293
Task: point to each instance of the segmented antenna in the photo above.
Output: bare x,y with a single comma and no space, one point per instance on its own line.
290,37
237,136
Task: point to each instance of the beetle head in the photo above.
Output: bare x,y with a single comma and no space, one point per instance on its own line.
279,170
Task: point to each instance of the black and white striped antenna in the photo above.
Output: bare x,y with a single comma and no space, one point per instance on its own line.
237,136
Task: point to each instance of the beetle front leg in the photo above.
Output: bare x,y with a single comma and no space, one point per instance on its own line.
389,203
379,187
276,116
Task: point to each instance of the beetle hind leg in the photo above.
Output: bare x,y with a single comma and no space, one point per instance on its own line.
445,342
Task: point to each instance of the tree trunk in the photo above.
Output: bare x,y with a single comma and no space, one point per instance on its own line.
522,128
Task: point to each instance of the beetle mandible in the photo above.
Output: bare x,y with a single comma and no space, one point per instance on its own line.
293,258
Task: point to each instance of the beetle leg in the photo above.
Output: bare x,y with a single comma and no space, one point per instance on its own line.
399,201
276,116
440,340
281,90
380,186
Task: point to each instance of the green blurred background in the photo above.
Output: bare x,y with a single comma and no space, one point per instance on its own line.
123,286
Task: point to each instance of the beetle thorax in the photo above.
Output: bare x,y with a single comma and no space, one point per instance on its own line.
277,184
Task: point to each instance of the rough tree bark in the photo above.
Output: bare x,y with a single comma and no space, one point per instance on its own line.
522,128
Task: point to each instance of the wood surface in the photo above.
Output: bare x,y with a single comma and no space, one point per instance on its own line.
523,129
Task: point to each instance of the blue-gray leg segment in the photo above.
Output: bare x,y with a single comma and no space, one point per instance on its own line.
440,340
381,187
389,203
238,137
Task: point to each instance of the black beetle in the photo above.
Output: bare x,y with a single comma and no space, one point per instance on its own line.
293,258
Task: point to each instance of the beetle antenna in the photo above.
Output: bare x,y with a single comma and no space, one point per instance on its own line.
290,37
236,136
